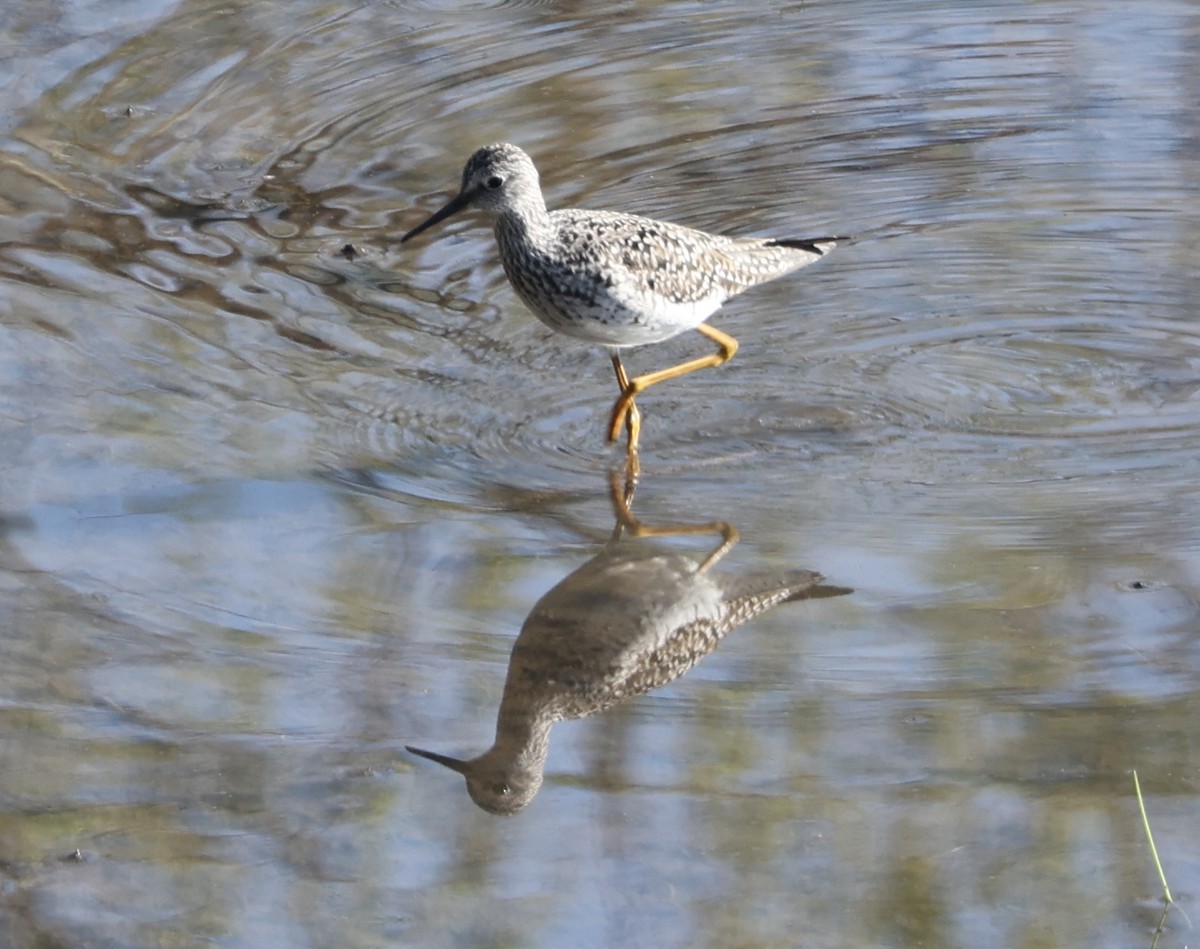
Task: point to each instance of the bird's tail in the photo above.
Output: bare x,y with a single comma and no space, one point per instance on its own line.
819,246
763,259
751,595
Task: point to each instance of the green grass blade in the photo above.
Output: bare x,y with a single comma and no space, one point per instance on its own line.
1137,786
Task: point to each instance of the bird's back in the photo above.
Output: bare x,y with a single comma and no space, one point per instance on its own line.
629,621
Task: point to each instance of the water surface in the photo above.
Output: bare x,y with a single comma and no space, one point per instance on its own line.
271,509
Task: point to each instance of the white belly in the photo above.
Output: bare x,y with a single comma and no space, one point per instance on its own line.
610,321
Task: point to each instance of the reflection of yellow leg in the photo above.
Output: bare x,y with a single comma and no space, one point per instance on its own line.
622,498
624,406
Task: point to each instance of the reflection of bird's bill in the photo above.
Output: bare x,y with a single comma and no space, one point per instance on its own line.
454,764
456,204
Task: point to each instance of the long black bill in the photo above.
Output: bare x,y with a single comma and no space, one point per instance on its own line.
454,764
456,205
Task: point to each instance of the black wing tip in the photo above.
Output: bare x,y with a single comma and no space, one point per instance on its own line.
818,591
813,245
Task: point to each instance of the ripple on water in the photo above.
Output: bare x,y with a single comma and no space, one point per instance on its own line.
900,339
1036,377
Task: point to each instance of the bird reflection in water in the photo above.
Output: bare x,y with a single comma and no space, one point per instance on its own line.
629,620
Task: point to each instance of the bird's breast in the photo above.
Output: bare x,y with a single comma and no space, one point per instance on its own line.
599,287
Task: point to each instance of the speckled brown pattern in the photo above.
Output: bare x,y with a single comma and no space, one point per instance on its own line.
609,278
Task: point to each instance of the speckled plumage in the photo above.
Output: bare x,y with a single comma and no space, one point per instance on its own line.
628,621
611,278
615,279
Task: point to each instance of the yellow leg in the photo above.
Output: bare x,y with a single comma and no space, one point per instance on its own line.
633,417
624,407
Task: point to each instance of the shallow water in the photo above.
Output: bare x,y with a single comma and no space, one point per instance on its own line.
269,510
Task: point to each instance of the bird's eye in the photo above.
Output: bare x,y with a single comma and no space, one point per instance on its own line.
494,182
502,790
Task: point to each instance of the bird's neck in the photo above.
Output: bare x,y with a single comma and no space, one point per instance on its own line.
526,224
523,730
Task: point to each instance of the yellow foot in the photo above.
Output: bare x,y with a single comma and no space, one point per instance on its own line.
625,412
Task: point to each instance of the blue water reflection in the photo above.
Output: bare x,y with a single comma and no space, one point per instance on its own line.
270,510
